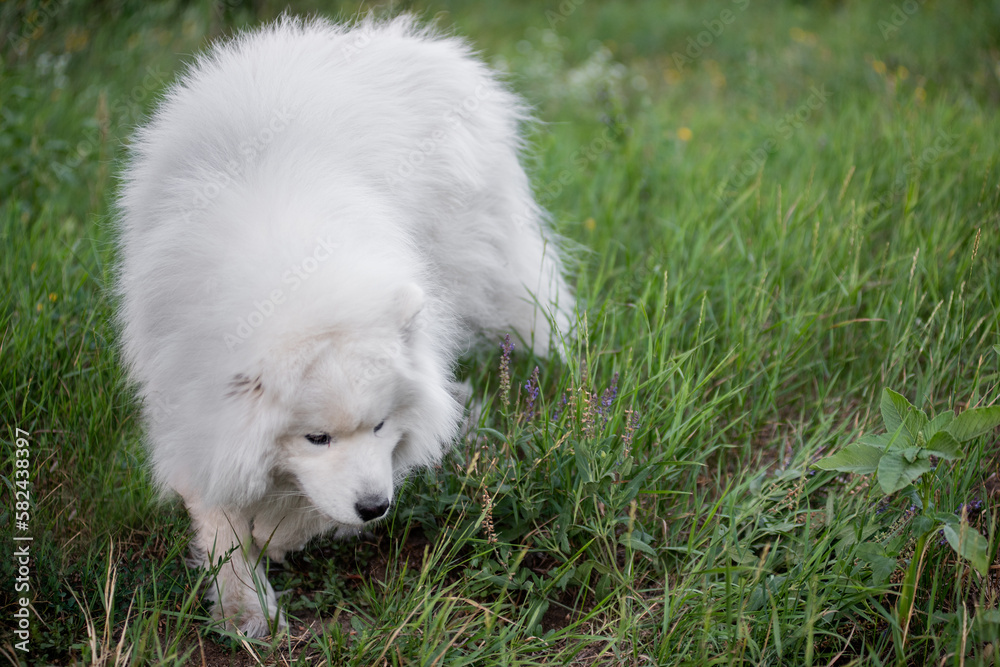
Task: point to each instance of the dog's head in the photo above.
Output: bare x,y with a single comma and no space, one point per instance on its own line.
348,413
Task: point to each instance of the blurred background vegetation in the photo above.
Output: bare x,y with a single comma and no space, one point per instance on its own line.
783,208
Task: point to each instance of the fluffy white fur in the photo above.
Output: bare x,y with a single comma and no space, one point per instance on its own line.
313,224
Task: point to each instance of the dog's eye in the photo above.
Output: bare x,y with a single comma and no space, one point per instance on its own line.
380,425
319,438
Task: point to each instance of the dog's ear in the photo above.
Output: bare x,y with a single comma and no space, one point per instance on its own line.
244,385
232,467
249,417
408,303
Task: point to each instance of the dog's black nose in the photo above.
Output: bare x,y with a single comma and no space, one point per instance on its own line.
371,508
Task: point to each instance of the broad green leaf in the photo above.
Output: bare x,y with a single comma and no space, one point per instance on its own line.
768,588
914,497
882,569
917,422
921,524
880,440
857,458
894,408
944,446
745,557
969,544
635,484
633,542
911,454
985,625
938,423
897,411
895,472
945,517
585,569
875,556
974,423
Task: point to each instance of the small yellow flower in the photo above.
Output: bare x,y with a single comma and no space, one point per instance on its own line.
715,74
802,36
38,307
77,40
684,134
53,296
902,73
920,94
589,224
878,66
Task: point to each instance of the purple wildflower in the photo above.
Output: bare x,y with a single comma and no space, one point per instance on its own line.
604,409
531,389
559,408
972,509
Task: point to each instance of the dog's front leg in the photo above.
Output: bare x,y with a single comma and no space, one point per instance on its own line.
240,592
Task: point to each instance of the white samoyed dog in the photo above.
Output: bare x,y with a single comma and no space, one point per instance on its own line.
312,226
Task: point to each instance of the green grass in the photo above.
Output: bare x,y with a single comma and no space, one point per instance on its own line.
757,261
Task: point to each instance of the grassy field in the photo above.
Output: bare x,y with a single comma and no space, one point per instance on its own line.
782,209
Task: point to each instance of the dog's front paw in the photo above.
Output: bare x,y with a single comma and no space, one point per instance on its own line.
255,623
245,614
239,604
